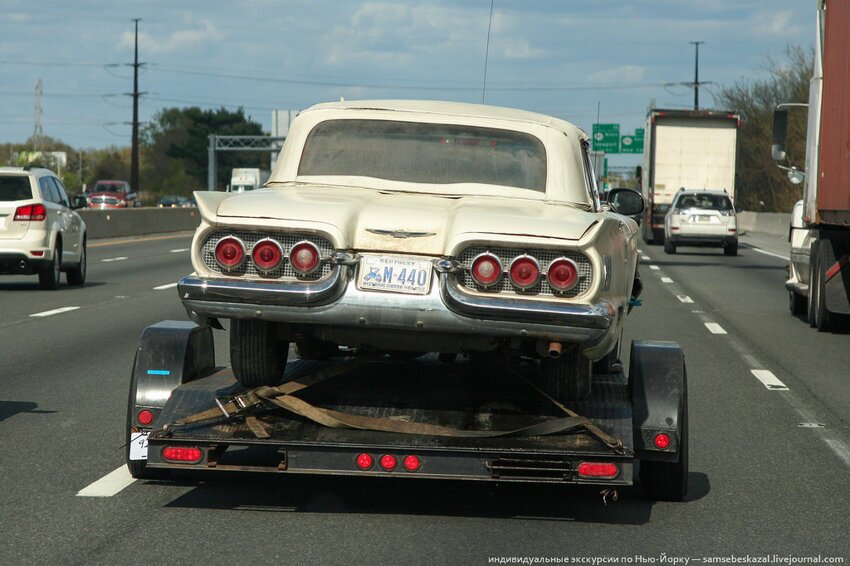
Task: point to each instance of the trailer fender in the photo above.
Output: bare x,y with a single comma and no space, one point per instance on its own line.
658,386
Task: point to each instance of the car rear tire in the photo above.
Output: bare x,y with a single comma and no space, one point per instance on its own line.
669,247
731,249
257,354
77,274
48,278
569,377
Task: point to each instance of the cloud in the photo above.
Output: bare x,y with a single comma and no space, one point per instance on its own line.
777,24
175,41
521,49
621,74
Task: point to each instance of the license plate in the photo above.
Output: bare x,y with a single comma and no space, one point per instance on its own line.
703,218
139,445
395,274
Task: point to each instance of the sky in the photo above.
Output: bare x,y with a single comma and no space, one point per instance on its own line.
560,57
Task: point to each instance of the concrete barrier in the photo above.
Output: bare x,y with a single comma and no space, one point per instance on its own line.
772,223
119,222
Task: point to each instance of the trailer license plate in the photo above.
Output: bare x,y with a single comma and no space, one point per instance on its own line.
395,274
139,445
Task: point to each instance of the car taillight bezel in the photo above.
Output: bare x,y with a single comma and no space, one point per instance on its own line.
35,212
500,270
294,251
523,286
241,258
556,288
265,269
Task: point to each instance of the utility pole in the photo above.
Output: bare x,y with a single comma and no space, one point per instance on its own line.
696,44
37,133
134,155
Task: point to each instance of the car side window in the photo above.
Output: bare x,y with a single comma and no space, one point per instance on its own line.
63,194
48,190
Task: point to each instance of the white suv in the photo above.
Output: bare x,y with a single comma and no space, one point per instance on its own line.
39,233
701,218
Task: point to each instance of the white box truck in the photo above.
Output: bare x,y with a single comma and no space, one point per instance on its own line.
694,149
247,179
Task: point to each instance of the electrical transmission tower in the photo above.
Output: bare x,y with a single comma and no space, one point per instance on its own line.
37,133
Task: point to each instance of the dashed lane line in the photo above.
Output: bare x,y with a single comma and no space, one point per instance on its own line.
178,250
684,299
111,259
108,485
654,267
54,311
166,286
769,380
666,280
645,258
715,328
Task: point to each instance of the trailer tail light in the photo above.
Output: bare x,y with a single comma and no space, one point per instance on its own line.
524,272
267,255
30,213
486,269
562,274
662,441
304,257
598,470
145,417
229,253
182,454
364,461
388,462
411,463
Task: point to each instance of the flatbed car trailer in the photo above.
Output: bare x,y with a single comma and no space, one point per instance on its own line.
375,416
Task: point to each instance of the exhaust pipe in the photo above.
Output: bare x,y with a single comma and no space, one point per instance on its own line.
554,350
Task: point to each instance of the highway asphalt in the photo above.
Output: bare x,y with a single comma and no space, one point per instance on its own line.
770,464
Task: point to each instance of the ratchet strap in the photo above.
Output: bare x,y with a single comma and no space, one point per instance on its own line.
282,396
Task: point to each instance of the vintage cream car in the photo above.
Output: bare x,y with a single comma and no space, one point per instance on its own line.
410,226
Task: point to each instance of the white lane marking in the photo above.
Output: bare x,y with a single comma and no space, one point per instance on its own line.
54,311
654,267
111,259
765,252
108,485
769,380
166,286
178,250
714,328
666,280
684,298
645,257
839,448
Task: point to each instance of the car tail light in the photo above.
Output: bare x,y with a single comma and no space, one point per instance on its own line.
411,463
388,462
562,274
145,417
230,252
267,255
31,213
364,461
487,269
185,454
662,441
601,470
304,257
730,212
524,272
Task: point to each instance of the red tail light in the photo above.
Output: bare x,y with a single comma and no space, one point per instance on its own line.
388,462
524,272
230,252
145,417
562,274
31,213
411,463
601,470
662,441
185,454
486,270
304,257
364,461
267,255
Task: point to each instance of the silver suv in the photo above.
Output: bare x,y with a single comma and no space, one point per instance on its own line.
39,233
701,218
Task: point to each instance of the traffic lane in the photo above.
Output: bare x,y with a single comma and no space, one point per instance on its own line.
149,264
748,295
749,459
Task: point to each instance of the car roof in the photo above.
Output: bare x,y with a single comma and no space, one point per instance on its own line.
37,171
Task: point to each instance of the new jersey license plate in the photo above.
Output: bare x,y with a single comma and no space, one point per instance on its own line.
395,274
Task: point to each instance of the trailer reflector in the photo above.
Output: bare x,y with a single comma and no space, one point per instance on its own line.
662,441
836,267
599,470
388,462
145,417
364,461
183,454
411,463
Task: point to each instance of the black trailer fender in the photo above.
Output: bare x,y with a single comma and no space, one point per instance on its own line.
170,354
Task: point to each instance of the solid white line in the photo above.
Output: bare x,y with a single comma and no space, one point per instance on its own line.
769,380
714,328
108,485
167,286
177,251
55,311
666,280
684,298
111,259
839,448
654,267
765,252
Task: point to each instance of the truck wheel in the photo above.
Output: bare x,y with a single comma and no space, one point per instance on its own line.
567,378
257,354
822,258
48,278
668,481
797,303
669,247
731,248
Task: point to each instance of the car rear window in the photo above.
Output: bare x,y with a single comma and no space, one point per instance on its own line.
416,152
707,201
15,187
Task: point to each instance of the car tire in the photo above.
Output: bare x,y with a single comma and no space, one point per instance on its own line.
669,247
257,354
731,248
567,378
77,274
48,278
797,303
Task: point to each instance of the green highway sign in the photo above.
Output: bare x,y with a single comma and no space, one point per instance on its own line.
632,143
606,137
